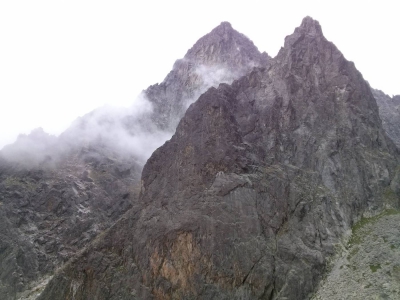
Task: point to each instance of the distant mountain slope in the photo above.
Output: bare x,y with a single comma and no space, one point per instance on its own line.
58,194
254,191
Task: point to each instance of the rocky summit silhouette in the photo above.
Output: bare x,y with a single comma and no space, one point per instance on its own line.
58,194
254,192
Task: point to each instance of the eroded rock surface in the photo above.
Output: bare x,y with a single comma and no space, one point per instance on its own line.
250,197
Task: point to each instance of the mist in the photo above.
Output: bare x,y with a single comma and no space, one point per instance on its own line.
32,150
129,134
124,131
213,75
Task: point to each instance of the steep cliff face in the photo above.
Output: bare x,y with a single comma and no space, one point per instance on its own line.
253,192
389,111
58,194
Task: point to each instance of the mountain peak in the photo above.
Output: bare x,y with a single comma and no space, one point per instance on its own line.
221,56
223,28
221,42
225,23
224,33
310,26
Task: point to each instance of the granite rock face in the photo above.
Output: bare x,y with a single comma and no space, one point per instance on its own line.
389,111
48,214
58,194
254,191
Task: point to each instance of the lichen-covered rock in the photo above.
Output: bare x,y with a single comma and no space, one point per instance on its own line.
252,194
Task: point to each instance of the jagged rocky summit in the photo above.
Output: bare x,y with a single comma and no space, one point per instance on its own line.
221,56
254,191
58,194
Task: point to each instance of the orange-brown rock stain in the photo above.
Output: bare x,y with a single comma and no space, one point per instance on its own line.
178,266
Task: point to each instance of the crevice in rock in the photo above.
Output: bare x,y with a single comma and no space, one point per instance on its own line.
251,269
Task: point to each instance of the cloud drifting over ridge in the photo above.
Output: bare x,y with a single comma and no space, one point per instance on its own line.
127,132
124,132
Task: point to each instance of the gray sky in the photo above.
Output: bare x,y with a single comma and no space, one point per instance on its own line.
61,59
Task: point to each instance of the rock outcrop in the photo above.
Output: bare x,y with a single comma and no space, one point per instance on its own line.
251,195
58,194
389,111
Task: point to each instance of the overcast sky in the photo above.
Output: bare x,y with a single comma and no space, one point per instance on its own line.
62,59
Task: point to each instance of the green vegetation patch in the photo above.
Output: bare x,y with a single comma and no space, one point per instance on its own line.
358,230
375,268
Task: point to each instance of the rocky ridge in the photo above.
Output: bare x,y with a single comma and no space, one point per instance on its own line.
252,195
